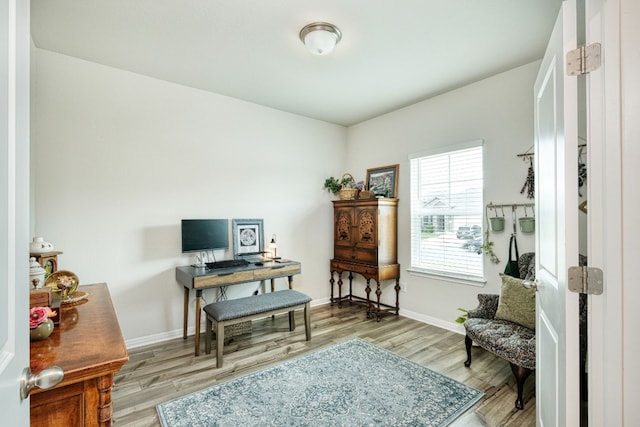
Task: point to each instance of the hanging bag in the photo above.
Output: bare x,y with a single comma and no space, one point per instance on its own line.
512,265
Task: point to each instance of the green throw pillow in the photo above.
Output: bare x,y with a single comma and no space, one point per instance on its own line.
517,304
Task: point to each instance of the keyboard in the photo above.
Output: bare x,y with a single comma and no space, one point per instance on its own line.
227,263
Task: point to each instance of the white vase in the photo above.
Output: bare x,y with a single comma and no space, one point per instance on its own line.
38,245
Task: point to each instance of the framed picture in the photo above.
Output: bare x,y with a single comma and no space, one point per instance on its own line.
248,237
383,181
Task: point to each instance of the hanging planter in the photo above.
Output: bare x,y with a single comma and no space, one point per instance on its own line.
497,223
527,223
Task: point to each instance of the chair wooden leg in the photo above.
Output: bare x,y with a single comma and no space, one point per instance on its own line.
467,345
521,375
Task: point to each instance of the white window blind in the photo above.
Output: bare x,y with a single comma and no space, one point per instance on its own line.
446,212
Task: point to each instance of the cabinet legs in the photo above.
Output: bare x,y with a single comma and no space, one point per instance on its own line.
397,288
368,291
375,307
332,281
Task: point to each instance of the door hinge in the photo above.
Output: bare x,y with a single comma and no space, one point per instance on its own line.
586,280
584,59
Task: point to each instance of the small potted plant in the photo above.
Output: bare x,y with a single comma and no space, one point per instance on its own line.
40,323
332,185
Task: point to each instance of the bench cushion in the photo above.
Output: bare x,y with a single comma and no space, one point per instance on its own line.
242,307
508,340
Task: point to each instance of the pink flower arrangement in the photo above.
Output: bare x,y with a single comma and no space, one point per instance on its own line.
37,315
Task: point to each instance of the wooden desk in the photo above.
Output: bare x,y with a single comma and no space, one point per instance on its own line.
89,347
201,278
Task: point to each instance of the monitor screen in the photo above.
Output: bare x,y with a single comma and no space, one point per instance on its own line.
204,234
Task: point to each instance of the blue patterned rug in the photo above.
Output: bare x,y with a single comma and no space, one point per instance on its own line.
354,383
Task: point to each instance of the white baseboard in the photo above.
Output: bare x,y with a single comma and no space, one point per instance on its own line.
177,333
449,326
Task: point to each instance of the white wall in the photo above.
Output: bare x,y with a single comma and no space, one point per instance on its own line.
498,110
118,159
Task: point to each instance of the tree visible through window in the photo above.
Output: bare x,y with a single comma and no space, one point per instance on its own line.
446,212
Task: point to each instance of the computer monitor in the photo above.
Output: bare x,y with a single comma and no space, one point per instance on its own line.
200,235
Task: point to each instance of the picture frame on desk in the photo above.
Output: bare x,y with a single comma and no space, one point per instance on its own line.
248,236
383,181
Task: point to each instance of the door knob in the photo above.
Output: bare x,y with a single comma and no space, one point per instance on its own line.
530,284
47,378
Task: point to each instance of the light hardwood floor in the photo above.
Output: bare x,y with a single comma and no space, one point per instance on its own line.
164,371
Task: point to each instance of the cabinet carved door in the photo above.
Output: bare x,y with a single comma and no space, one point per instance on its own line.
366,234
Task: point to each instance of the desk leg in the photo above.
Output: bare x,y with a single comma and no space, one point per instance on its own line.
186,313
339,288
198,309
289,278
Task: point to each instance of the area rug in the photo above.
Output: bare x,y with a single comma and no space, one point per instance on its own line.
353,383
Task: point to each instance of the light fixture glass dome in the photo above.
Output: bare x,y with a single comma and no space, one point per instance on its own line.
320,38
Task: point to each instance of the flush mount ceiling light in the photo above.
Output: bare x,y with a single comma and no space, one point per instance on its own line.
320,37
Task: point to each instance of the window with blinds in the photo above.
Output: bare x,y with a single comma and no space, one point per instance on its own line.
446,212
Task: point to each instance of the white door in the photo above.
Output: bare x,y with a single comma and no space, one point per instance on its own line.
613,94
14,208
556,148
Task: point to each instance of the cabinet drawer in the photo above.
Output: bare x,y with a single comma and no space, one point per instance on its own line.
223,279
369,256
344,252
365,270
276,271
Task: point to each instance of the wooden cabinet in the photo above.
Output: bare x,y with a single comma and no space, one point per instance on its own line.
89,347
365,242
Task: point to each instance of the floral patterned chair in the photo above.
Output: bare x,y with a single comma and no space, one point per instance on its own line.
507,340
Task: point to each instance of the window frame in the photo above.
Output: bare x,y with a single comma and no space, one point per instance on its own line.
449,276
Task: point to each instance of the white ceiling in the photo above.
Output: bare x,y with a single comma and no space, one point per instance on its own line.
392,53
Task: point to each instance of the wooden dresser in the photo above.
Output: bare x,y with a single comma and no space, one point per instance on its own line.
365,242
89,347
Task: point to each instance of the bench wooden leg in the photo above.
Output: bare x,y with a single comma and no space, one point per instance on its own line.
467,344
292,320
219,343
521,375
307,321
207,339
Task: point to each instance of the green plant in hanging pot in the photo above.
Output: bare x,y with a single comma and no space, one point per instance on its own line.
487,248
332,185
463,317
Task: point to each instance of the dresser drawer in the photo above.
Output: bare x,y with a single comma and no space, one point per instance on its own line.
223,279
276,271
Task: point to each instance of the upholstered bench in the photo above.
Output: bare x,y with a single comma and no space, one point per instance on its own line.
230,312
508,340
505,324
